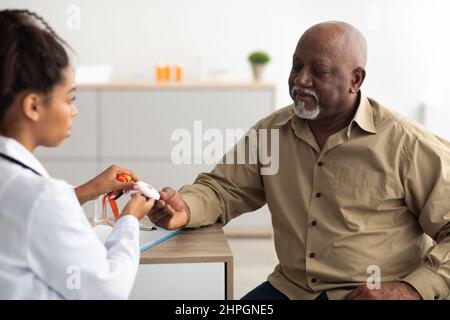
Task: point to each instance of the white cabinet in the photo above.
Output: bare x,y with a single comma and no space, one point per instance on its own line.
183,281
150,117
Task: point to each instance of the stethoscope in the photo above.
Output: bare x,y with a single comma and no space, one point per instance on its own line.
23,165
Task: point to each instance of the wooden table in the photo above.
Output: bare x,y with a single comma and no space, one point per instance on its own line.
194,264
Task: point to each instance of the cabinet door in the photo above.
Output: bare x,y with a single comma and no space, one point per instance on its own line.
183,281
141,123
83,142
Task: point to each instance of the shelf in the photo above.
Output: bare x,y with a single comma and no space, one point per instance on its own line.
181,85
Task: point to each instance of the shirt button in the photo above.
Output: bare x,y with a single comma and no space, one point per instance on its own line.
314,223
312,255
318,195
320,163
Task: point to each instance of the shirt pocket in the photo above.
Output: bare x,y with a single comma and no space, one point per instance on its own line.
360,189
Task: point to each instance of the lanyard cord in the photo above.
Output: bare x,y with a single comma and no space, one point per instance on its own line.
114,208
111,199
11,159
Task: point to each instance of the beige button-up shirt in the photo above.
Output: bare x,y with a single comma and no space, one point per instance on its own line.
361,204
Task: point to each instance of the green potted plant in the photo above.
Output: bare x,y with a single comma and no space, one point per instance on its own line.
258,60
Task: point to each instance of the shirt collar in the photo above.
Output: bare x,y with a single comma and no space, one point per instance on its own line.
14,149
363,117
286,117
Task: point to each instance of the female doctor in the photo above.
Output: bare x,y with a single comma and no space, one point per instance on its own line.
48,249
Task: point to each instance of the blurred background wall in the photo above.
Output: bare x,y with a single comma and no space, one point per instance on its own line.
408,43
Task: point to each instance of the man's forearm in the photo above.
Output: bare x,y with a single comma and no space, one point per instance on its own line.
202,207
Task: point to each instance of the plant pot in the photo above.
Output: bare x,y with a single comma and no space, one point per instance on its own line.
258,71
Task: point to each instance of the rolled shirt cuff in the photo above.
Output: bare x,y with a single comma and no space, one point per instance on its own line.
428,283
195,208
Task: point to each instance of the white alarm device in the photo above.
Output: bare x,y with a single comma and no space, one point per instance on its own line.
146,189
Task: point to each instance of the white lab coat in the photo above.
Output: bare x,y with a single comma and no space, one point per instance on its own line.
48,249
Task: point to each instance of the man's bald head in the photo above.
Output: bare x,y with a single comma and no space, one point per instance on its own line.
343,40
328,69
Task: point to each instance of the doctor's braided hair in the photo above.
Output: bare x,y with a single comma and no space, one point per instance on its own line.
32,56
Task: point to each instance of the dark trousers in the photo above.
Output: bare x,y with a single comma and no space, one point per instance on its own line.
265,291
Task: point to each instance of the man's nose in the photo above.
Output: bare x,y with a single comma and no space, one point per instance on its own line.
303,79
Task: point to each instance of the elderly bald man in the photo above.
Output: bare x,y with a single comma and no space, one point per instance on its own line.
357,187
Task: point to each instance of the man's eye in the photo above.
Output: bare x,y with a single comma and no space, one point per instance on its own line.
73,99
296,68
321,72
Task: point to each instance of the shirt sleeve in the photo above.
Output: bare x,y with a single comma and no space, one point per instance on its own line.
228,191
427,195
64,252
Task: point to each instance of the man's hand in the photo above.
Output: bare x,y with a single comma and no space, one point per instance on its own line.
170,211
388,291
103,183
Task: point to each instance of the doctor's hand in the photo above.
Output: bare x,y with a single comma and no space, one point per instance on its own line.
139,206
170,211
103,183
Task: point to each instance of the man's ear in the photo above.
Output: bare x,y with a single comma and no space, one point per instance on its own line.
32,106
358,76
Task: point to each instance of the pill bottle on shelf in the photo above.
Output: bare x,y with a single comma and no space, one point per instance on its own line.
159,72
178,72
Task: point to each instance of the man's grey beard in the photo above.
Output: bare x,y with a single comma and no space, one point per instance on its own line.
302,112
299,106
